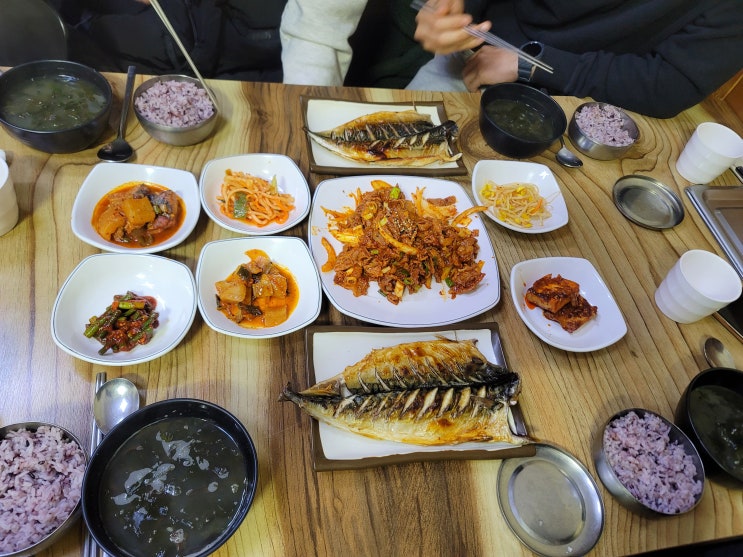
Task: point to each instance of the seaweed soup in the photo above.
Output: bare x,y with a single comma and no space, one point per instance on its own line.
519,119
718,420
51,103
172,488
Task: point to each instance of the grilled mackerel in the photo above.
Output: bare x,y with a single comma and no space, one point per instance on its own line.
425,393
405,138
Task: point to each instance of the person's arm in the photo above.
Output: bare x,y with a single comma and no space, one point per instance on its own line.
679,72
682,71
314,40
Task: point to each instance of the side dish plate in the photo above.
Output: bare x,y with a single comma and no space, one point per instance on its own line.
603,330
105,177
506,172
427,307
323,114
221,257
331,349
91,287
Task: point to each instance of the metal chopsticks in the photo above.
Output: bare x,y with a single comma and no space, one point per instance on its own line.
90,548
166,22
489,38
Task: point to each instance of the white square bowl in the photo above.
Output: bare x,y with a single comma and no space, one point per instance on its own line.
107,176
505,172
262,165
220,258
91,287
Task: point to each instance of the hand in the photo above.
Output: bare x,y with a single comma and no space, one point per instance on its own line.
440,27
490,65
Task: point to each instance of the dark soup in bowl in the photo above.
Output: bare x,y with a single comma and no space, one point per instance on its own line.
174,486
717,415
52,102
519,119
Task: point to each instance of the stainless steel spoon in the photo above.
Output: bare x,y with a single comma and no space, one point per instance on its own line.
716,354
119,149
114,401
566,157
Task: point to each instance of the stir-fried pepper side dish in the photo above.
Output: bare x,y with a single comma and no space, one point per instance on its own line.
138,214
129,321
258,293
402,244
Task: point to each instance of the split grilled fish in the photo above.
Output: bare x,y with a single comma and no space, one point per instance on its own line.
405,138
425,393
435,363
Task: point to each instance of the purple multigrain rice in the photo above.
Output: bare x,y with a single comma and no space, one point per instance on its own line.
175,103
655,470
41,476
603,124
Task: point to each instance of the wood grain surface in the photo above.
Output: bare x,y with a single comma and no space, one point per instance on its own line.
431,508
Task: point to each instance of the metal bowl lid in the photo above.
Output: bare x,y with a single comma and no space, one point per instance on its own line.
648,202
551,502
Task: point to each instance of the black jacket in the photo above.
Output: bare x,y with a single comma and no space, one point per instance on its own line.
228,39
656,57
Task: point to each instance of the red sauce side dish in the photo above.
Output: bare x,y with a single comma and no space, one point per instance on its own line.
129,321
138,214
258,294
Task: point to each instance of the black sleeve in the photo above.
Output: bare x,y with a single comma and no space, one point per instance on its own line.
679,72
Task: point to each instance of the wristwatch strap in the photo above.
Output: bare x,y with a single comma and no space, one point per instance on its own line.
526,69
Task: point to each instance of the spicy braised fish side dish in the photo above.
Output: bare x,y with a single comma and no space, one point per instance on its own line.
258,293
390,138
560,301
138,214
403,245
439,392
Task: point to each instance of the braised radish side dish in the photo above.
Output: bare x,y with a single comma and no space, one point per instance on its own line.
258,293
128,322
138,214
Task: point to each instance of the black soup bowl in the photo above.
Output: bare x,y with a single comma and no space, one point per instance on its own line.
710,412
175,478
519,121
55,106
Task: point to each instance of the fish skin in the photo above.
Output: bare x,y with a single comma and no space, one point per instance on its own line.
417,149
380,125
429,417
432,363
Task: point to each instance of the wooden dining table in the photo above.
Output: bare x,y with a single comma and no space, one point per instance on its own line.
436,507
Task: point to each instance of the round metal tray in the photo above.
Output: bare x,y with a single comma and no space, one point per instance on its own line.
648,202
551,502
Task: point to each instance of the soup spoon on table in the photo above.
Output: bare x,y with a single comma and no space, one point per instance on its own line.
119,149
566,157
114,400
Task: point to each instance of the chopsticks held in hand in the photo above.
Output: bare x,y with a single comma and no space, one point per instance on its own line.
166,22
489,38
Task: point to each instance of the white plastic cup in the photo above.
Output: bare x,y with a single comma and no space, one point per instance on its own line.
699,284
710,151
8,200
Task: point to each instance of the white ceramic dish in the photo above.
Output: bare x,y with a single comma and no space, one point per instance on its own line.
220,258
262,165
91,287
324,114
506,172
603,330
106,176
425,308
